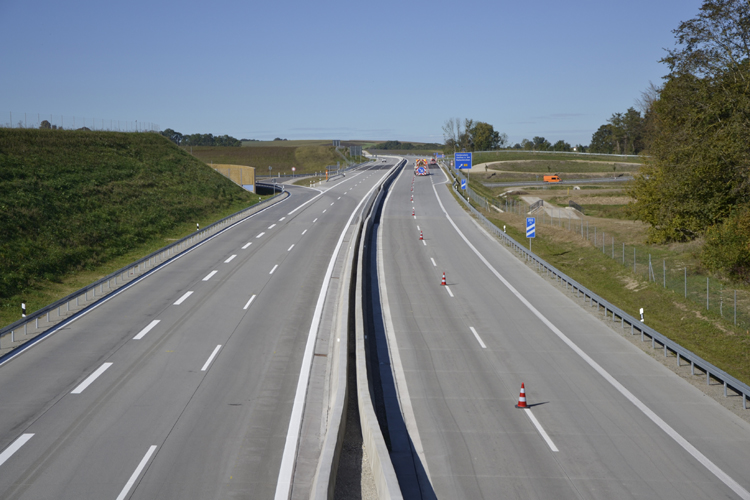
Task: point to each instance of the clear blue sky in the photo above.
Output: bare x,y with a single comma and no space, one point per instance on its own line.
336,69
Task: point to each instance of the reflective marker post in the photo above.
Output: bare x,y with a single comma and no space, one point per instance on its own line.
530,229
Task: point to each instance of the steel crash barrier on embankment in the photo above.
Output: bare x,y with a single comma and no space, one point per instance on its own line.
25,332
636,326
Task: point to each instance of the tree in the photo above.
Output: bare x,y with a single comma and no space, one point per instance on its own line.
561,146
484,137
452,133
602,140
540,144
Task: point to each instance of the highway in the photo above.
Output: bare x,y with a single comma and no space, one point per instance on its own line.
605,420
183,384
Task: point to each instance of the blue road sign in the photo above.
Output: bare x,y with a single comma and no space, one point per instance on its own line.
530,227
463,160
463,183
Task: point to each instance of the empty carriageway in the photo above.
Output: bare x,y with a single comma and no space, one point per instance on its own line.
605,420
182,384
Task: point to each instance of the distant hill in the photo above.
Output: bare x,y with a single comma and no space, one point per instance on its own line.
72,200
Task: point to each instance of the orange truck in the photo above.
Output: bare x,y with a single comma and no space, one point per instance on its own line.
552,178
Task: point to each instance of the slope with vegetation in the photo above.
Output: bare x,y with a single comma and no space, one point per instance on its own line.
75,200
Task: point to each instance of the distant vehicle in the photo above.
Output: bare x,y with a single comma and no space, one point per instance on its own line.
433,162
383,160
552,178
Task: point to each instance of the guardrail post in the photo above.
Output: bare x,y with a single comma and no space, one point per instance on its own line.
708,377
692,367
678,358
725,388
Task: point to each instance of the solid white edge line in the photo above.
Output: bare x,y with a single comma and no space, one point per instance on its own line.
230,259
14,447
663,425
541,429
274,268
148,328
284,483
479,339
142,465
247,245
433,262
402,389
290,248
261,234
211,358
90,379
210,275
249,302
448,289
183,298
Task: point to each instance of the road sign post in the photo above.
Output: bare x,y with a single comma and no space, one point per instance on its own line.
530,229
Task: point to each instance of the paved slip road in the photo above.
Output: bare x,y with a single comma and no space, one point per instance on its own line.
197,406
466,348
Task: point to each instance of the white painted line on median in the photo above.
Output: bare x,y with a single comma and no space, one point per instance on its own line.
315,220
332,203
261,234
14,447
684,443
433,262
124,493
211,358
541,430
274,268
143,332
418,228
305,203
210,275
290,248
249,302
338,198
247,245
82,386
272,226
324,211
284,482
183,298
479,339
282,219
424,242
230,259
449,290
303,232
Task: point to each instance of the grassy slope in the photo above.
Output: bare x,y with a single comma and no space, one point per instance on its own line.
305,159
530,155
79,201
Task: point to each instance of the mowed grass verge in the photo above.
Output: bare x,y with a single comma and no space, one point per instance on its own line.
77,205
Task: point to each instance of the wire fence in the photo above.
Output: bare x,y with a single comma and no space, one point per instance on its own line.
62,122
651,264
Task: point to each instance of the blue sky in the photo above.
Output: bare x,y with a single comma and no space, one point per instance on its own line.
334,69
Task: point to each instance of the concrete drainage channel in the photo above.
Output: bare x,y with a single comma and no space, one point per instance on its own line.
352,387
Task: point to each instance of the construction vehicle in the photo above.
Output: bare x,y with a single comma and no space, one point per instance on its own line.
552,178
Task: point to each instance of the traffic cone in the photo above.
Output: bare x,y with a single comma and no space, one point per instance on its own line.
443,282
412,197
522,398
412,212
420,235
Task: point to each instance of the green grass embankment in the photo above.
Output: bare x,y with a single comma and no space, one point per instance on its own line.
77,205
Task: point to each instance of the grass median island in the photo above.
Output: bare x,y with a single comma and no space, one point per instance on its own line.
77,205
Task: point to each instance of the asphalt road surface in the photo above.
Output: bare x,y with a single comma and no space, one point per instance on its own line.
606,420
181,385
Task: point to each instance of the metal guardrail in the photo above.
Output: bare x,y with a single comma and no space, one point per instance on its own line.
535,205
575,205
124,275
668,345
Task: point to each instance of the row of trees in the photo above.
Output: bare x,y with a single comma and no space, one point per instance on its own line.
405,146
696,182
624,133
200,139
470,135
541,144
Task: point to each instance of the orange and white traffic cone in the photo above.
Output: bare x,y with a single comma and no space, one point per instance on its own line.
420,235
412,212
443,281
522,398
412,197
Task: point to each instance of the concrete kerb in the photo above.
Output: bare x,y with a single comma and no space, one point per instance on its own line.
159,258
324,482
